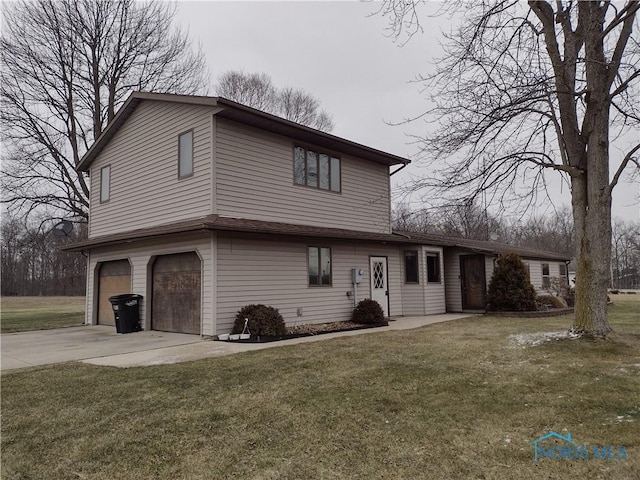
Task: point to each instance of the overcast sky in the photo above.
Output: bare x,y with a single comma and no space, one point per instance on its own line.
341,53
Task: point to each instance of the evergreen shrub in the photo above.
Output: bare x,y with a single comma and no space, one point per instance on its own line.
263,320
368,312
510,289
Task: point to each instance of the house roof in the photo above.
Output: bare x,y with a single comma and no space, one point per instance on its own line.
482,246
242,225
259,227
243,114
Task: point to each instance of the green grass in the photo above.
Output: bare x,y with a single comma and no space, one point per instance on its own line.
21,314
454,400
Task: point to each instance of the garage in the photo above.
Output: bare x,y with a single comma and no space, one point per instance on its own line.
176,293
114,278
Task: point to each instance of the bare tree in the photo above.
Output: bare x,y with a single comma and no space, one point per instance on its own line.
404,219
66,67
256,90
625,268
523,90
553,232
32,263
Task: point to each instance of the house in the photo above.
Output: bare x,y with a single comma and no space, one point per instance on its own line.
202,205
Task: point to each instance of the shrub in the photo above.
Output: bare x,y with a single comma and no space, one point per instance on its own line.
368,312
552,301
263,320
570,296
509,287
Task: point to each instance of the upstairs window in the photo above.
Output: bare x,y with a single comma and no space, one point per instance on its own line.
433,267
319,266
105,183
185,154
316,169
411,266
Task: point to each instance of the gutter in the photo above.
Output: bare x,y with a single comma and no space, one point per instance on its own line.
396,171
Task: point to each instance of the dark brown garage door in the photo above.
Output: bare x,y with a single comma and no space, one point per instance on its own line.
176,293
114,278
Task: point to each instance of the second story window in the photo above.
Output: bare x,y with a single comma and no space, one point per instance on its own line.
185,154
105,183
316,169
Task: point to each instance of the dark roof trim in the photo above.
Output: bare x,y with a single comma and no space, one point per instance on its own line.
259,227
246,115
482,246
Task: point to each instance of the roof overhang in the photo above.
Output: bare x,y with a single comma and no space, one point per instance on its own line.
259,228
240,113
485,247
214,223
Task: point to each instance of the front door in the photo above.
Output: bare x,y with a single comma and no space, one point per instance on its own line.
474,285
379,282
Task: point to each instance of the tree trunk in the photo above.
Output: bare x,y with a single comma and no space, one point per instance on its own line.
591,193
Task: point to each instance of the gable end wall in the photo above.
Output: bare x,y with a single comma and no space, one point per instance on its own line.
145,190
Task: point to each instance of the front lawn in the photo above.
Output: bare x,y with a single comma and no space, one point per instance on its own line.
462,399
21,314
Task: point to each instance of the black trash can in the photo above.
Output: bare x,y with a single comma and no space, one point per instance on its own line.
126,309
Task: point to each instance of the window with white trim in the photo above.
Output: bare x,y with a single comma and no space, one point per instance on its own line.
546,279
433,267
105,183
411,266
316,169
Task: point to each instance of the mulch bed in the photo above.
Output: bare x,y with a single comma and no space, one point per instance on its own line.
309,330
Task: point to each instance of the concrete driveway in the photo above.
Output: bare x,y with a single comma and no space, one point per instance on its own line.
100,345
43,347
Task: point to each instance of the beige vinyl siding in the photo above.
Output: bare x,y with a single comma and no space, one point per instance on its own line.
423,298
452,281
535,271
434,293
275,273
140,256
413,293
145,190
254,179
489,265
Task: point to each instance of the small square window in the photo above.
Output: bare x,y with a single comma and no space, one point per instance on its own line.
185,154
411,267
433,267
105,183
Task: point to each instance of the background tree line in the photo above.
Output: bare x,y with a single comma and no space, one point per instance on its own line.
32,263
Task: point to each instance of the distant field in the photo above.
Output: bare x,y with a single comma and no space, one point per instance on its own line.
21,314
